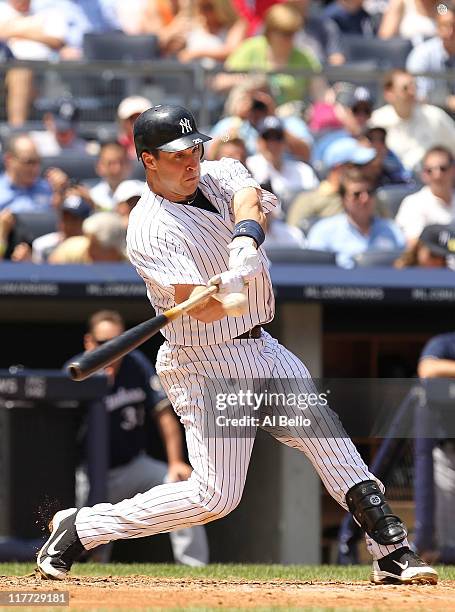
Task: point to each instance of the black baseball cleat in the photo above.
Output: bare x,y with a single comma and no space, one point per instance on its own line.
403,566
62,548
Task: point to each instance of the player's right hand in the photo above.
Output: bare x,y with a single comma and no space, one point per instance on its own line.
231,281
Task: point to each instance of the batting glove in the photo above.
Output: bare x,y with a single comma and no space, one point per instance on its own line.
231,281
244,257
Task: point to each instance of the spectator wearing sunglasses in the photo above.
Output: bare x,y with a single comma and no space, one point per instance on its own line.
351,110
358,229
270,167
435,202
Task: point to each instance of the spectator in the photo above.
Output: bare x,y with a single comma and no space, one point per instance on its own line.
321,36
326,201
435,202
410,19
246,106
434,245
234,148
21,188
103,240
436,55
71,215
411,127
31,34
216,33
358,229
352,108
128,111
385,168
272,51
61,133
134,401
113,167
350,17
283,177
126,196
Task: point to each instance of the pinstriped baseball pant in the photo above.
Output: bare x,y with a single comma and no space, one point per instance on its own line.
220,462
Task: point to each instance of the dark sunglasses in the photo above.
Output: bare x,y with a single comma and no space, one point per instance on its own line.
274,136
362,110
356,194
29,161
431,169
100,342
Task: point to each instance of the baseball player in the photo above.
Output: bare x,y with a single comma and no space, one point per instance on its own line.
197,224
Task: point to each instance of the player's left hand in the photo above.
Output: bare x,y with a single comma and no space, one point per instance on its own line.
244,256
178,470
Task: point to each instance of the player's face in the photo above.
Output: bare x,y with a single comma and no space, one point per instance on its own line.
175,175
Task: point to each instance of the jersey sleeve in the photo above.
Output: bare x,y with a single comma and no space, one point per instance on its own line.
232,176
170,263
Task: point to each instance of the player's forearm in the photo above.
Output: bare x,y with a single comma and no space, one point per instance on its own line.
207,312
436,368
247,205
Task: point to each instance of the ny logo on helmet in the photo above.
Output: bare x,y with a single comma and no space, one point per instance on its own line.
186,126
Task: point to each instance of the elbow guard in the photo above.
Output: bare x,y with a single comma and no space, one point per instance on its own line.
371,511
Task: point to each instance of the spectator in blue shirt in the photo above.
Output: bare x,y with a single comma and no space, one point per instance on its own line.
357,229
21,187
350,16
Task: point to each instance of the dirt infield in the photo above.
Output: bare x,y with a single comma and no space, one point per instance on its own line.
136,592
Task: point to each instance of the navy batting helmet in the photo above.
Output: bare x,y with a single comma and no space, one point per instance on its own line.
166,127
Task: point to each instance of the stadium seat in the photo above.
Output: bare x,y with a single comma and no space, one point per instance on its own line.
391,53
391,196
77,168
29,226
296,255
370,259
120,47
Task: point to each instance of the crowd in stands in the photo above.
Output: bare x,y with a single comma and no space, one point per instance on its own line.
357,168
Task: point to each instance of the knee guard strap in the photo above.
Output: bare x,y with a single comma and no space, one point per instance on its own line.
371,511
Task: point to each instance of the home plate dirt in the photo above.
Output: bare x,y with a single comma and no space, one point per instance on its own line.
135,592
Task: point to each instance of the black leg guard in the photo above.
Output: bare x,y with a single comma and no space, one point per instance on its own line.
371,511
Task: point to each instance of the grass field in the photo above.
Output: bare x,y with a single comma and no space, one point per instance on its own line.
95,587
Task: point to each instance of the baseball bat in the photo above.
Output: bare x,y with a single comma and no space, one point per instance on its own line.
92,361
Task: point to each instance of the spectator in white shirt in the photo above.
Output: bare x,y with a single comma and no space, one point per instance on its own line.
411,127
31,35
434,203
283,177
113,167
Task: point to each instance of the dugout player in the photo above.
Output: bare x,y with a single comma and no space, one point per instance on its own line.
134,397
200,224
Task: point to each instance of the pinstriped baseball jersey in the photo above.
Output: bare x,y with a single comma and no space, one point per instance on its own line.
178,244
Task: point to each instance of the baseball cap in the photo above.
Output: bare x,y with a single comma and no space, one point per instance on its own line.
270,124
66,115
440,239
77,206
128,189
347,150
350,95
134,105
